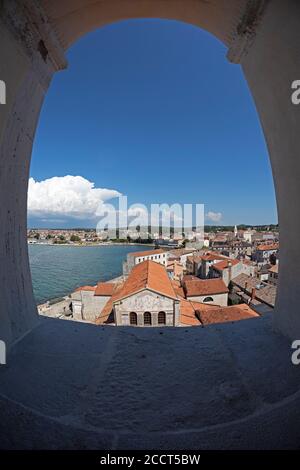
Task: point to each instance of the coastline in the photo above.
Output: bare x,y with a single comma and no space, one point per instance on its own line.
53,309
111,254
91,244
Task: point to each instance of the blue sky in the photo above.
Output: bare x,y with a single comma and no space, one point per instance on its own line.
152,109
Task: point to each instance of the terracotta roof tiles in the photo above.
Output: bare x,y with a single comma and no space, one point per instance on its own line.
221,265
225,314
205,287
147,275
105,288
86,288
138,254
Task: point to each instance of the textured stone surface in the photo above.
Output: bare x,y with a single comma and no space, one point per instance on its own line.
75,385
29,73
72,385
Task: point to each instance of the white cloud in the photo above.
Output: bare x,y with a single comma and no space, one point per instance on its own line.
214,216
66,196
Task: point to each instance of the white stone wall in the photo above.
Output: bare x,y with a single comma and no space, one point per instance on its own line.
218,299
236,270
160,258
146,301
27,76
92,305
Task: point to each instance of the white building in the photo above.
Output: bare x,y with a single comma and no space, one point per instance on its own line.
212,291
158,256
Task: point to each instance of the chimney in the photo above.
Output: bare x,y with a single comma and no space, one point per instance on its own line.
253,293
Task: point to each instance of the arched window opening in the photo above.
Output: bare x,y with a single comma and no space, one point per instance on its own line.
161,318
133,318
147,319
208,299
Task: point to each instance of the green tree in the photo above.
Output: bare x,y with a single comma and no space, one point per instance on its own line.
75,238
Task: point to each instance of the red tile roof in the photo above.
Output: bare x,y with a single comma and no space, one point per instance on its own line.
225,314
177,288
266,247
188,310
104,316
196,259
274,269
147,275
187,314
189,277
138,254
205,287
105,288
86,288
221,265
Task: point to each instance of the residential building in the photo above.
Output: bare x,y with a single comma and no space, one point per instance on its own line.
226,269
158,256
273,274
181,255
207,260
211,291
258,295
264,251
148,297
88,301
193,264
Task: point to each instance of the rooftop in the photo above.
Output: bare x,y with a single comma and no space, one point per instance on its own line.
181,251
138,254
225,314
147,275
213,257
264,292
105,288
86,288
274,269
221,265
267,247
205,287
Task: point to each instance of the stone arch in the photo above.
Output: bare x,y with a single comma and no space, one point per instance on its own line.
147,319
248,28
133,318
161,318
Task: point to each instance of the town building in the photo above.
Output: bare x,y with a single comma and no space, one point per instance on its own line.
260,296
158,256
181,255
264,251
211,291
273,274
193,265
147,298
226,269
207,260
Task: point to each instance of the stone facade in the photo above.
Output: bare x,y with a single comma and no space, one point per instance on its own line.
216,299
86,305
147,301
